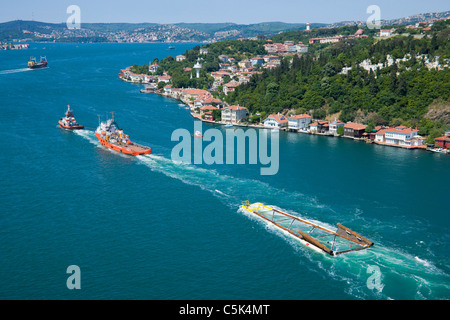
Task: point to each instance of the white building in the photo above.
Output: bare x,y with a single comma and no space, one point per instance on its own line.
334,125
180,57
234,114
399,136
403,136
276,121
299,121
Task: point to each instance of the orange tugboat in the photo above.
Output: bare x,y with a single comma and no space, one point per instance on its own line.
110,135
69,122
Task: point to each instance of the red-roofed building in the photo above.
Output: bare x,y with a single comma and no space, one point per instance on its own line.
299,121
276,121
444,141
354,130
234,114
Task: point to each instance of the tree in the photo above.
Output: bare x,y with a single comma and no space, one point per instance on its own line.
340,130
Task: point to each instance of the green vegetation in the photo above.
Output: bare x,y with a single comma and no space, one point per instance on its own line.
394,95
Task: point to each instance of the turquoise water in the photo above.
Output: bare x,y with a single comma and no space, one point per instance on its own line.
151,228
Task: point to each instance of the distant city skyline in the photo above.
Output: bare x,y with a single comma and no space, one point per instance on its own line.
213,11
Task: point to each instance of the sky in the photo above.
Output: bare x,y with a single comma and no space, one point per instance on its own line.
237,11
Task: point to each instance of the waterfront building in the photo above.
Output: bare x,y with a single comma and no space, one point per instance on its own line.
180,57
444,141
403,136
276,121
299,121
209,116
334,125
354,130
319,127
203,50
234,114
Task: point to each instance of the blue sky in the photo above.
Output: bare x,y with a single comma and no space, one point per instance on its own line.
238,11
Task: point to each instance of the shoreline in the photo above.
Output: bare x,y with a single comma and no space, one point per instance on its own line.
198,117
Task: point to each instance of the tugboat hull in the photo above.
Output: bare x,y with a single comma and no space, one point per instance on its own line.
132,149
77,127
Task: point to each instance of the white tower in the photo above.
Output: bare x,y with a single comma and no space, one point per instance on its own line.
197,67
308,26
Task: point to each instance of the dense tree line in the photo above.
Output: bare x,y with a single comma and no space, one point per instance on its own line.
390,95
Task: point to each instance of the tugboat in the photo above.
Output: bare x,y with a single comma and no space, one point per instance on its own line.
69,122
33,65
111,136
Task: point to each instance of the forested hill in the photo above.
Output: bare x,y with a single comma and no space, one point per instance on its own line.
409,82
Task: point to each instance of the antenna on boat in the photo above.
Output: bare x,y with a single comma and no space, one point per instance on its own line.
98,119
112,113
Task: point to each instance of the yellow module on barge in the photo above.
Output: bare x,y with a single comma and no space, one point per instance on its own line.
311,234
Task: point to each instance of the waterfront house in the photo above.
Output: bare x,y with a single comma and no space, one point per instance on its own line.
319,127
207,108
403,136
168,89
208,101
203,50
299,121
209,116
334,125
354,130
234,114
276,121
444,141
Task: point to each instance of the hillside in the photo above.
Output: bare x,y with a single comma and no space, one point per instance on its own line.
141,32
399,80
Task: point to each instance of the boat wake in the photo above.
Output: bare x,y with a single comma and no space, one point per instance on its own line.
374,272
381,272
14,70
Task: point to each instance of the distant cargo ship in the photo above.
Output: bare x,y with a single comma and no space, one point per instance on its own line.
69,122
32,64
111,136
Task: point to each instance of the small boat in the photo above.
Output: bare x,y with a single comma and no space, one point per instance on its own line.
311,234
32,64
228,125
69,122
111,136
198,134
171,47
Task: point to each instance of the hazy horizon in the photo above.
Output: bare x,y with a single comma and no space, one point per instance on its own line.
203,11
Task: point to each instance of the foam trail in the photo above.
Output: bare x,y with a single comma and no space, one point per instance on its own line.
15,70
419,278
